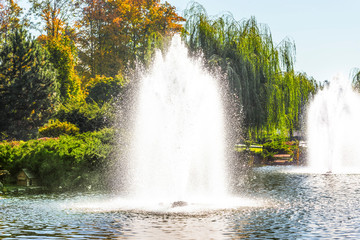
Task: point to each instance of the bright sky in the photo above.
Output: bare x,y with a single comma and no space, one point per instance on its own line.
326,32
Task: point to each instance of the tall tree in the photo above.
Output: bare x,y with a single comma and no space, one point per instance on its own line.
62,52
92,39
10,13
259,73
117,32
28,87
58,38
54,14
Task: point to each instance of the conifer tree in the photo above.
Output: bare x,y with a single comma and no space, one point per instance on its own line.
28,87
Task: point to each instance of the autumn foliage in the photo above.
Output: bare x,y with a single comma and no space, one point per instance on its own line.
82,40
9,17
115,33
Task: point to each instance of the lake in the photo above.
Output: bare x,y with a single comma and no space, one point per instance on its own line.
282,203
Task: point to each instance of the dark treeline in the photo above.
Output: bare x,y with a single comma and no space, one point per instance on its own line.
63,84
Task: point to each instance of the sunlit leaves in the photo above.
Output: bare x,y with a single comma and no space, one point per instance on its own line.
115,33
261,73
58,39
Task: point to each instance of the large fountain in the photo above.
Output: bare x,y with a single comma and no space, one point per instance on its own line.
178,145
334,129
177,159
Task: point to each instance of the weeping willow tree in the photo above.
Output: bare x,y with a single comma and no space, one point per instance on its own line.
355,76
259,72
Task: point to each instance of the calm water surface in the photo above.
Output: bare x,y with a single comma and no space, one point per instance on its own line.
293,206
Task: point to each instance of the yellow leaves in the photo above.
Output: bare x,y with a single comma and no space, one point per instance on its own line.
57,128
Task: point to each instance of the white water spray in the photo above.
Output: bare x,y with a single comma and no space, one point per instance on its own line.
178,146
177,157
334,129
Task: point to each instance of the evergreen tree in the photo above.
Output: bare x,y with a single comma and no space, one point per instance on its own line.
28,87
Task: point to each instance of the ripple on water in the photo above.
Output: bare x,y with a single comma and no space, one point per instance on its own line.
293,205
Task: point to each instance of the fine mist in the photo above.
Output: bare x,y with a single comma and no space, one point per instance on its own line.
178,140
334,129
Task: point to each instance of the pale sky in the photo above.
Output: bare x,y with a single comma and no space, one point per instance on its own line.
326,32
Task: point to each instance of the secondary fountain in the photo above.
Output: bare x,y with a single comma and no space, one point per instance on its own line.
334,129
178,148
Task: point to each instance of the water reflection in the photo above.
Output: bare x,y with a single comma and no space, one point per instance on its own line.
306,205
297,206
178,227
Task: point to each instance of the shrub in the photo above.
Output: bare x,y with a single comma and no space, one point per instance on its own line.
86,116
57,128
103,89
72,162
278,146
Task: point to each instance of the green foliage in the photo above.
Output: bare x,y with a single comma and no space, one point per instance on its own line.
103,89
87,117
28,87
72,162
57,128
7,153
59,40
279,146
355,75
62,55
259,72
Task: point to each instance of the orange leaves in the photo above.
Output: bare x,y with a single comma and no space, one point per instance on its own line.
114,33
54,26
140,18
118,21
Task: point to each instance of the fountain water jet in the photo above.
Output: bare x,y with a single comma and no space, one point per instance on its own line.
176,162
334,129
178,146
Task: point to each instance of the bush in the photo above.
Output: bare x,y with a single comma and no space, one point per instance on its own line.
72,162
87,117
103,89
57,128
278,146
